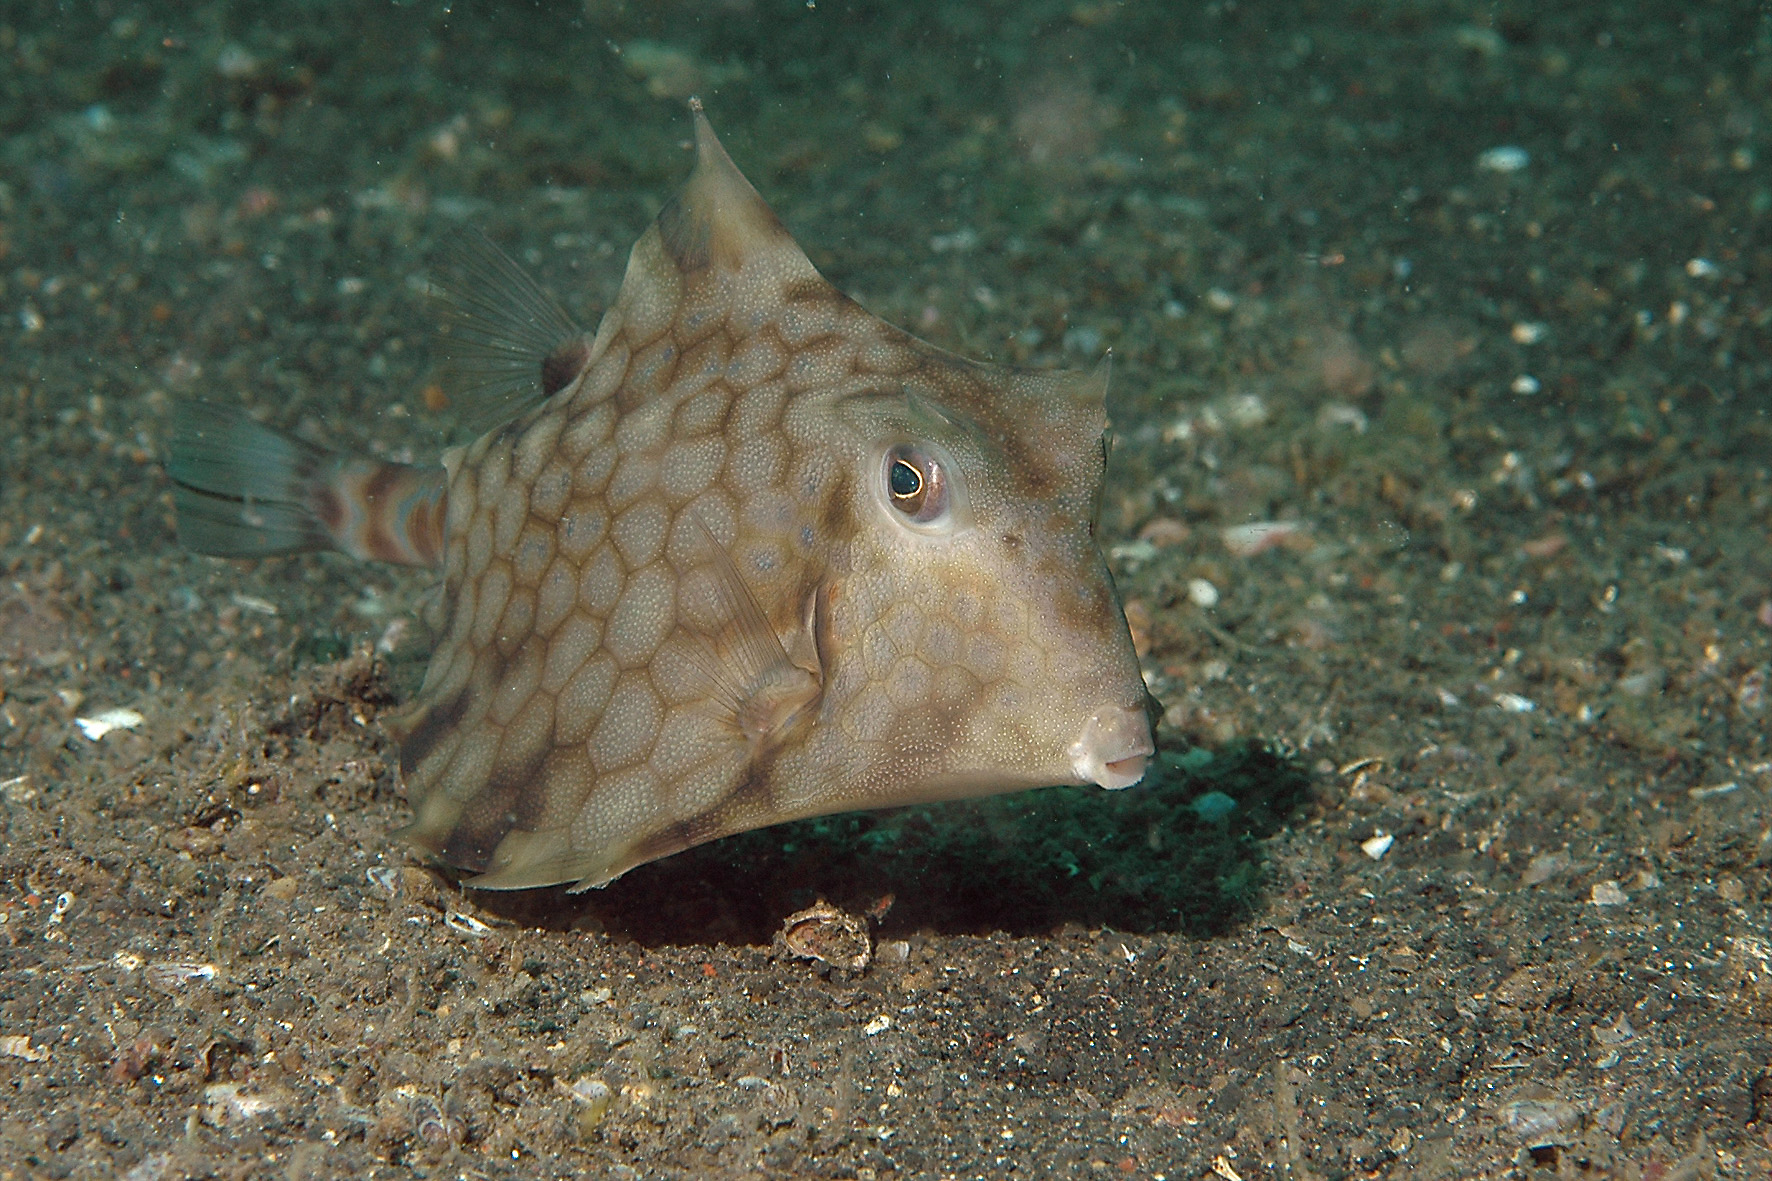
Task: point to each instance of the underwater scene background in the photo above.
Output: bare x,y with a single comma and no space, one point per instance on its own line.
1438,496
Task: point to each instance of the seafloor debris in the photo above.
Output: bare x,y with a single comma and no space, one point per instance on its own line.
824,933
18,1045
591,1098
101,724
175,977
230,1104
1505,158
1245,541
1541,1123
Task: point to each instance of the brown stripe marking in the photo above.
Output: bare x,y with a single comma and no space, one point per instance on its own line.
506,803
418,742
381,500
424,526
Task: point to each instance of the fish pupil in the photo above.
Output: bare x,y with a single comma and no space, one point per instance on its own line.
904,480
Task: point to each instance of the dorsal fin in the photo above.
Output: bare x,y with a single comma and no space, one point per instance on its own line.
716,251
509,343
718,219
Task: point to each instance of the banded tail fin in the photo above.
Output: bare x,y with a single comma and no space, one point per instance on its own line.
244,490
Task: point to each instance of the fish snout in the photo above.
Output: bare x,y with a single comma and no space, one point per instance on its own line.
1114,748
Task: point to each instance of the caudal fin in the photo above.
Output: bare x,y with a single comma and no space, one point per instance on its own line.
243,490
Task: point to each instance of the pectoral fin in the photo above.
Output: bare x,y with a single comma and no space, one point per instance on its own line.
753,684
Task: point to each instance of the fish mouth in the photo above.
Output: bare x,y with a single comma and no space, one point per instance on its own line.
1114,749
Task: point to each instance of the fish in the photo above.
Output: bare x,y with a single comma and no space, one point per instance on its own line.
746,554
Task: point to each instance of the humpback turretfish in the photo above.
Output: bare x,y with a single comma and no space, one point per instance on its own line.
745,555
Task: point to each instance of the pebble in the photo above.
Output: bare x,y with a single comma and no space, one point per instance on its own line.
1340,414
1544,867
592,1096
1213,806
18,1045
173,977
99,725
386,877
466,924
1504,159
1618,1033
231,1103
1540,1123
1245,541
1162,531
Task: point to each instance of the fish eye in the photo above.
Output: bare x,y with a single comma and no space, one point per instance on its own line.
916,484
906,483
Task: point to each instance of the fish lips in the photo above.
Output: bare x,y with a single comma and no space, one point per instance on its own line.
1114,748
